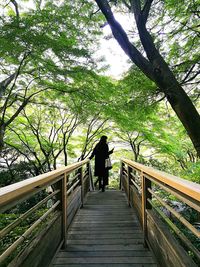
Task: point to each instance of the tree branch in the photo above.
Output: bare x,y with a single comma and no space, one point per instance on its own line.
136,7
36,133
186,79
24,103
146,10
122,38
15,79
16,7
4,84
24,153
126,4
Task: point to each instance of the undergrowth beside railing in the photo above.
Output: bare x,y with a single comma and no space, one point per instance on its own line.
18,231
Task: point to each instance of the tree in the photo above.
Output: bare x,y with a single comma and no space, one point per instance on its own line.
14,100
43,48
153,65
94,128
42,135
134,139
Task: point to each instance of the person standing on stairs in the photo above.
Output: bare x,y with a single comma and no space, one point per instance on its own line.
101,153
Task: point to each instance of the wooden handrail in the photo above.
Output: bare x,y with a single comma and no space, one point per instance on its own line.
58,179
11,192
189,188
137,181
21,239
26,214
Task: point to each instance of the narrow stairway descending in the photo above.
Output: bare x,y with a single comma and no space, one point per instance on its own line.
106,233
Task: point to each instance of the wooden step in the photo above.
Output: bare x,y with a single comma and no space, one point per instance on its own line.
105,233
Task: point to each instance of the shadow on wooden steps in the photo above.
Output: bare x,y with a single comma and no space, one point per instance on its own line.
105,233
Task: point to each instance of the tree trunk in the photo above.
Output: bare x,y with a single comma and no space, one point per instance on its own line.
166,81
2,132
65,156
186,112
156,69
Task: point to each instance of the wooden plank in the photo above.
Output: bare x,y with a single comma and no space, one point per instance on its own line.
103,253
114,247
90,260
110,265
11,192
136,202
111,218
74,206
105,227
108,221
166,247
103,235
64,208
99,230
106,241
189,188
105,232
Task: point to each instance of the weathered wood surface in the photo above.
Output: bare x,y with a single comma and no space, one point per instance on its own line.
105,232
165,246
184,186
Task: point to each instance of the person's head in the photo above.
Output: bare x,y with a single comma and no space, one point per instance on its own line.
103,139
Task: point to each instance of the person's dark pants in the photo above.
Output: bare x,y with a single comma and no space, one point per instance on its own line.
102,183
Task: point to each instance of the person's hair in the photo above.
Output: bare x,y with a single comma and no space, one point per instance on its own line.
103,138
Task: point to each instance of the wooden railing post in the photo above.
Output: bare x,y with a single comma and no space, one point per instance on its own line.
91,187
144,217
129,182
145,204
64,210
121,176
82,185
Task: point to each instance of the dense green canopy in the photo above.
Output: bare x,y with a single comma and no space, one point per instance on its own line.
56,100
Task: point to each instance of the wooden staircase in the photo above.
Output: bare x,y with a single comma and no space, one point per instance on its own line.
105,232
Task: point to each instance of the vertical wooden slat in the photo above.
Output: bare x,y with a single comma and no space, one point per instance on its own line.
91,183
120,176
64,209
82,185
129,179
144,201
146,183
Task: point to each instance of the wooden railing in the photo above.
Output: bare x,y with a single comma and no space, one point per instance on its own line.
57,207
150,192
46,221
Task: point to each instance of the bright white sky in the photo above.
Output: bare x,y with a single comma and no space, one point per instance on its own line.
112,52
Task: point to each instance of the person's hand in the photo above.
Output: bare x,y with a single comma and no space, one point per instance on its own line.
112,150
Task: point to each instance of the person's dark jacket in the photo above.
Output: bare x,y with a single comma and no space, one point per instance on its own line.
101,153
